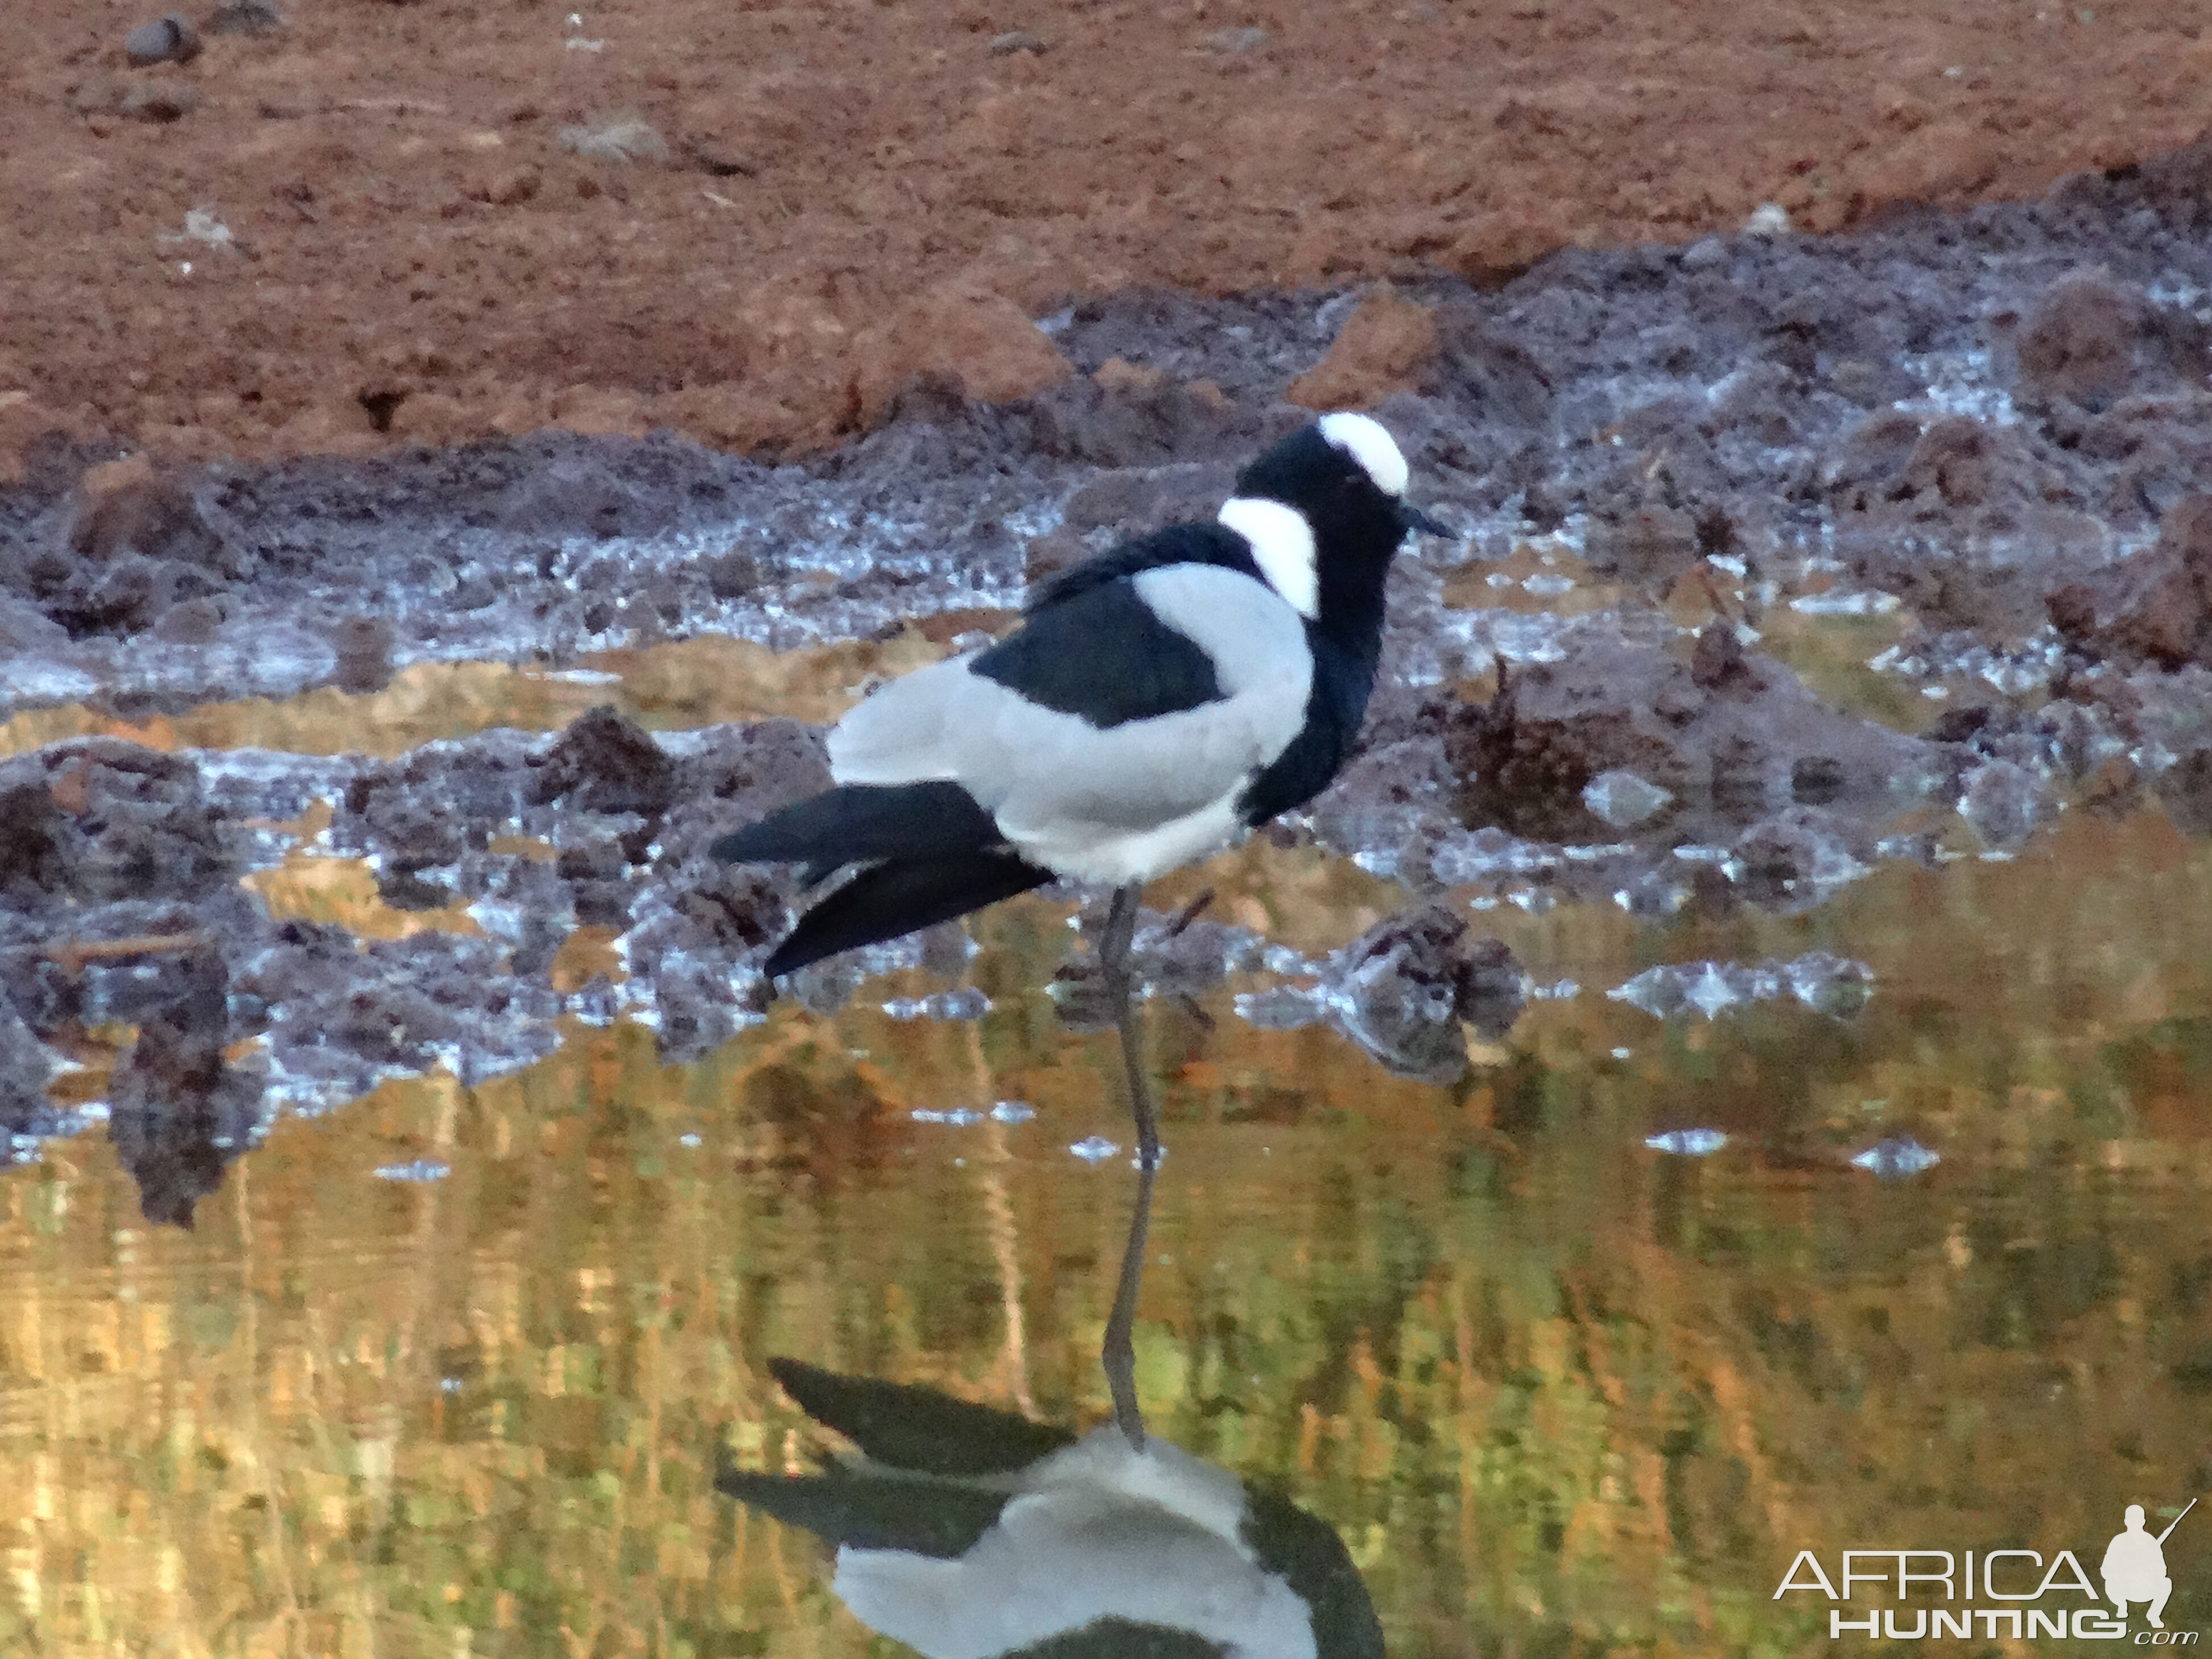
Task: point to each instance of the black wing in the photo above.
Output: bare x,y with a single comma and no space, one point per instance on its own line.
1101,654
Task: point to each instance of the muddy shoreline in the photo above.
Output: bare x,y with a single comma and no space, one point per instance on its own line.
1987,426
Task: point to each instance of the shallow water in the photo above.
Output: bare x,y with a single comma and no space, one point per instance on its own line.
450,1371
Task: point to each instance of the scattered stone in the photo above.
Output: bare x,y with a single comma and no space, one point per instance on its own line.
1652,543
161,102
246,17
1816,780
26,1066
1018,40
363,645
1623,799
1798,858
985,343
511,188
717,159
1382,350
2155,607
1494,248
1952,461
170,39
604,762
618,138
1231,42
2079,343
2003,802
99,819
1402,990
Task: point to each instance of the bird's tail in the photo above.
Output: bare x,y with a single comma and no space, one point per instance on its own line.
899,895
913,1426
927,852
861,822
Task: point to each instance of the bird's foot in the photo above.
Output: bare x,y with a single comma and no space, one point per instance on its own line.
1189,913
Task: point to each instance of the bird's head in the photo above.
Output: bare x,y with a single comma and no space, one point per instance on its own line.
1330,495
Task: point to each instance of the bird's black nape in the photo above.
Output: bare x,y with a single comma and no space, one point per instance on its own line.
899,896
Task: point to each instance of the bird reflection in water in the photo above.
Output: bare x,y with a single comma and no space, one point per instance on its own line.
967,1531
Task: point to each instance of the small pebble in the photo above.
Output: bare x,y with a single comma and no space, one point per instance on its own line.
1014,40
159,103
621,138
512,188
1622,798
1231,42
170,39
1768,219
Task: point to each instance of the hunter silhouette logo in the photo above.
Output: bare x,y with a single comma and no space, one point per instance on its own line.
2134,1565
2015,1593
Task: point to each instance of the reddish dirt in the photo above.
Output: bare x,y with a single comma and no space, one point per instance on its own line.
853,192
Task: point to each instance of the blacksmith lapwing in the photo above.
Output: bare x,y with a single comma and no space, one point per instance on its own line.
970,1533
1158,701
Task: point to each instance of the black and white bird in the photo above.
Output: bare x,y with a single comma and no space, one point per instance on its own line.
1156,704
969,1532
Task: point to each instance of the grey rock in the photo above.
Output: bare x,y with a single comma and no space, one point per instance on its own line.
171,39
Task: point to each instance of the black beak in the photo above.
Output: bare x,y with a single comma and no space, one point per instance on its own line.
1414,519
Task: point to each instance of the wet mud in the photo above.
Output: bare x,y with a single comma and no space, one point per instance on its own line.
1988,427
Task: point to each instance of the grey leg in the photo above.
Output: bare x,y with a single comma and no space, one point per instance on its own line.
1114,968
1118,1354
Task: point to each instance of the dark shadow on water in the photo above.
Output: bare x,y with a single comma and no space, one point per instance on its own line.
180,1113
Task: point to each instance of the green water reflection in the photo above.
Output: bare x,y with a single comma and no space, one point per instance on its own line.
1557,1392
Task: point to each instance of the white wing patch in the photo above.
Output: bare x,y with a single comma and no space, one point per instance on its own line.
1282,546
1364,438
